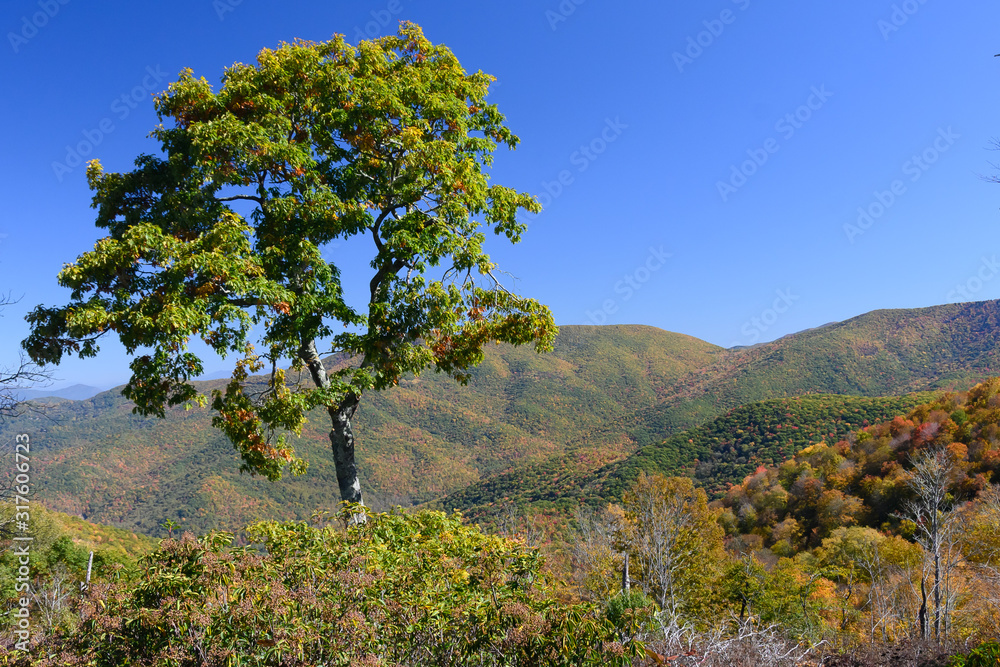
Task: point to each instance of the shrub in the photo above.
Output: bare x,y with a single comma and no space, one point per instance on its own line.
413,589
986,654
629,612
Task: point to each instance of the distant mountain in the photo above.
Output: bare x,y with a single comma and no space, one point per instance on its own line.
603,394
76,392
218,374
418,441
882,353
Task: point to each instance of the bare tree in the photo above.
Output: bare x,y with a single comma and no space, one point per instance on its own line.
52,598
515,523
14,379
662,544
734,643
889,595
931,510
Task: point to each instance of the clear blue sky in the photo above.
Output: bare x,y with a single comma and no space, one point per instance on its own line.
644,109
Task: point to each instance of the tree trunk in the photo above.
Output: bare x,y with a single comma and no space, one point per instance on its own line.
937,594
342,440
626,581
922,614
341,433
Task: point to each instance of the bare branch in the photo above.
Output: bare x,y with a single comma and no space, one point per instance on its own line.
25,375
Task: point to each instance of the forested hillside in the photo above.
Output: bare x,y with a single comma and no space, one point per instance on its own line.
717,454
603,394
864,479
418,441
881,353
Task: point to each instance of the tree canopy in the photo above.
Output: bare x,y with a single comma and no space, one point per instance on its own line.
221,237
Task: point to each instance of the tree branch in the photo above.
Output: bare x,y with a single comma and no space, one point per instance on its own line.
243,197
309,356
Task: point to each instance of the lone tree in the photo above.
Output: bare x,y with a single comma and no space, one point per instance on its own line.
221,238
931,510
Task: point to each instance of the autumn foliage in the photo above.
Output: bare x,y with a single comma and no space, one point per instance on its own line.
413,589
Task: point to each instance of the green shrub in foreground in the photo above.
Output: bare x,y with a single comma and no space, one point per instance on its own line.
986,654
400,589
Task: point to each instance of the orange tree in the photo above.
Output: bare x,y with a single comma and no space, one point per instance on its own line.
220,238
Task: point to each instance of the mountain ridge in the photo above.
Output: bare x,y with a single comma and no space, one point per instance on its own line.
604,393
75,392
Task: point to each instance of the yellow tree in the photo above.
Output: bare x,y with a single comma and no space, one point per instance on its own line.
980,543
675,542
597,557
